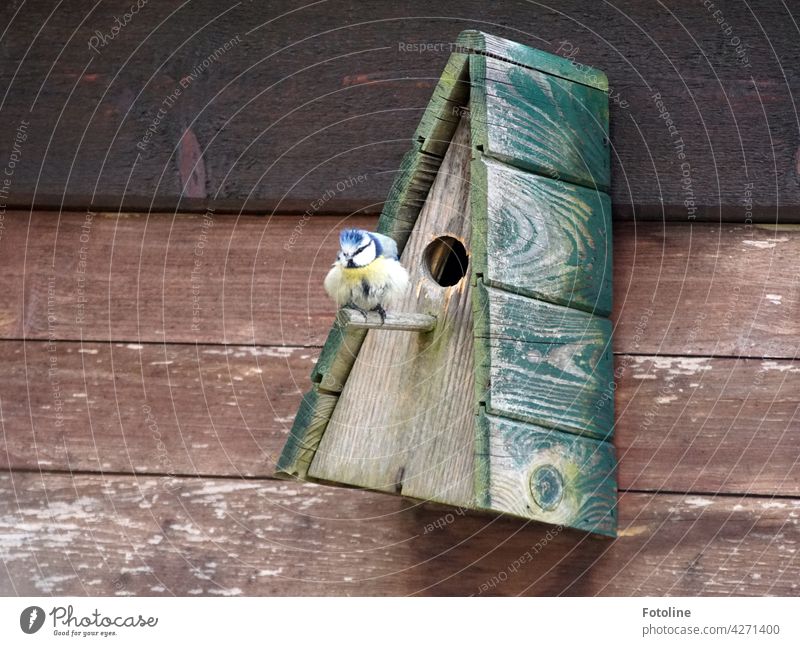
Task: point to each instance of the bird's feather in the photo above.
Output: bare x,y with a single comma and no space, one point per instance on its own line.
381,282
387,245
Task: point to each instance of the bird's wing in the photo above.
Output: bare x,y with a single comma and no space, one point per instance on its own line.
389,245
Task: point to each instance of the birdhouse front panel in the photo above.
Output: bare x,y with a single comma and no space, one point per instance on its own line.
489,386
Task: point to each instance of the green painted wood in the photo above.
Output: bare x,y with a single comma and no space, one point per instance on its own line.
546,475
540,123
337,357
542,238
508,50
543,363
445,107
407,195
309,424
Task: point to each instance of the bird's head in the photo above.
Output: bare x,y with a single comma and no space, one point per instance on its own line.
357,248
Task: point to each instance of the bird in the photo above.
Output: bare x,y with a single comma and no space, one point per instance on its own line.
367,275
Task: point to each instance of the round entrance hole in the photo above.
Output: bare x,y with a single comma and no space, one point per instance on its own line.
446,260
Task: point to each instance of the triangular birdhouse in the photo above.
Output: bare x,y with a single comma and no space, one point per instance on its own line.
490,386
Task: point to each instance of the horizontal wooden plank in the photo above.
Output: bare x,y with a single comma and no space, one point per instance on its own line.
706,289
698,424
542,474
542,363
540,123
149,408
544,238
319,93
682,424
79,535
187,278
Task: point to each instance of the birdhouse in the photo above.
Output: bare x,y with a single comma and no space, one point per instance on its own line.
490,387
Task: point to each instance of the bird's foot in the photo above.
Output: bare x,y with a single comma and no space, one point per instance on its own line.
381,312
352,306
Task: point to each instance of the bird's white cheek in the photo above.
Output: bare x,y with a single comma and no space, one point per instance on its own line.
363,258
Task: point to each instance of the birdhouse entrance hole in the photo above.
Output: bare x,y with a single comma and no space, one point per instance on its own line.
446,260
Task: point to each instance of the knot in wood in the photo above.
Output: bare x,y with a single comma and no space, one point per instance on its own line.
547,487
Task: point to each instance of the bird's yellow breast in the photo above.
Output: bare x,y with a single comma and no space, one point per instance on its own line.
375,272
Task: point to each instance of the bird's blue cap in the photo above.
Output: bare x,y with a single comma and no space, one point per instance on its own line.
351,237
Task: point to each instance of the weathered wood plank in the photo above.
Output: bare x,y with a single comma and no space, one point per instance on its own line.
450,98
188,278
554,477
543,238
337,358
515,52
396,321
540,123
249,111
407,195
404,422
705,289
699,424
707,424
542,363
554,323
310,423
149,408
78,535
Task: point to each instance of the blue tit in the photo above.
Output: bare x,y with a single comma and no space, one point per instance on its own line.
367,274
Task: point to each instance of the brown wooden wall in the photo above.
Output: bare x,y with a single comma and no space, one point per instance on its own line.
154,352
307,96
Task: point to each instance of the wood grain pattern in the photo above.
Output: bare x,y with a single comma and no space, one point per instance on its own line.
186,278
543,238
508,50
542,363
113,535
710,290
310,422
147,408
699,424
540,123
450,98
337,358
396,321
405,420
680,421
721,290
553,477
407,195
250,110
238,139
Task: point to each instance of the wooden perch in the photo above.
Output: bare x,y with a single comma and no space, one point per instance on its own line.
403,321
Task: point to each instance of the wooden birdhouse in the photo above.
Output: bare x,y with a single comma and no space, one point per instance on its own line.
491,386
